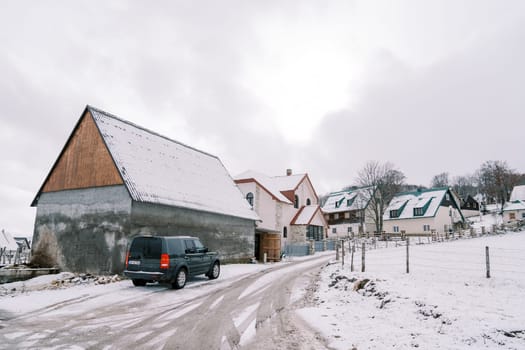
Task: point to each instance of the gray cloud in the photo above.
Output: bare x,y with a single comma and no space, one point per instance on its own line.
178,68
451,116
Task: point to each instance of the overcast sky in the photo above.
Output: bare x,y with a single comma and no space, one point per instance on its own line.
317,86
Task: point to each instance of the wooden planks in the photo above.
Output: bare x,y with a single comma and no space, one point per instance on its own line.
84,162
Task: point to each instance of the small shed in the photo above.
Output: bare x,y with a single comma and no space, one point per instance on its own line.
114,180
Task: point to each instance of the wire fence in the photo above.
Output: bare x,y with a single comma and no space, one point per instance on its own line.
430,254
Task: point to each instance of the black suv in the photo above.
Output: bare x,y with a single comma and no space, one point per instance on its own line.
169,259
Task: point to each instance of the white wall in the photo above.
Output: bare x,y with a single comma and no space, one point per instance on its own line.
274,214
518,215
415,225
305,191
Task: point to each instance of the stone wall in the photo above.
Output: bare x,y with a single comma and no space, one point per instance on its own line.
84,230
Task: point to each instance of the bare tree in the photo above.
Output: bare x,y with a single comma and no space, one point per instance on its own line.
382,182
496,181
465,185
440,180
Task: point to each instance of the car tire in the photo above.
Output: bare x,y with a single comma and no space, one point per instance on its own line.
138,282
215,271
180,279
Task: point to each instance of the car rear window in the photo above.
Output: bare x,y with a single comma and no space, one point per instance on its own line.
146,247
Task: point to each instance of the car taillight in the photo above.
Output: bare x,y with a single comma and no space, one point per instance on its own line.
127,258
164,261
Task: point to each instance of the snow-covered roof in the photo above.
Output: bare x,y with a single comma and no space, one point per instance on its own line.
268,183
305,215
518,193
514,205
275,185
288,182
339,201
7,241
156,169
428,200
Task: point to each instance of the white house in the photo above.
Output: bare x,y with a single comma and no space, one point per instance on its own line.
287,206
514,211
348,212
423,211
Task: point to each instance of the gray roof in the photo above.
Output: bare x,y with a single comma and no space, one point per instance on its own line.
156,169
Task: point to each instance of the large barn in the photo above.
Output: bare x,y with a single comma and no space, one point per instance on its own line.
114,180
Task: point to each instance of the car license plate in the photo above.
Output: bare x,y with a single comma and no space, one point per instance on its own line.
134,262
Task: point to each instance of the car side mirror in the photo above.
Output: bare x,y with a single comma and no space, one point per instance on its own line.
190,251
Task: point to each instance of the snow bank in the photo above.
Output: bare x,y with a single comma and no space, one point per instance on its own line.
445,301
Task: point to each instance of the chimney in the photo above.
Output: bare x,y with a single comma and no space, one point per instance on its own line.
288,172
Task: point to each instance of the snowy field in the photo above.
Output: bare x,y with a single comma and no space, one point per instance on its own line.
445,302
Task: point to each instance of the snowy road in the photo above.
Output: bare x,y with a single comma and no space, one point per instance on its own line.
251,311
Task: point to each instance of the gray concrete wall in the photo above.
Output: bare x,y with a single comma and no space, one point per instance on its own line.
84,230
232,237
89,230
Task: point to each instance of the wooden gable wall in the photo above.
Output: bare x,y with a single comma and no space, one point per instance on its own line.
84,162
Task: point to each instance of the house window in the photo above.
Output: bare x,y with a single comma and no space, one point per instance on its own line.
447,197
308,201
393,214
426,228
249,198
396,228
349,229
315,232
512,216
523,215
347,215
336,216
334,230
296,202
285,232
418,211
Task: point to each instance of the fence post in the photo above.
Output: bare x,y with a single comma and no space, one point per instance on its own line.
337,250
487,261
352,258
408,244
342,253
363,249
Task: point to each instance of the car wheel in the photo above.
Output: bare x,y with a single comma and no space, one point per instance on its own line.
215,271
180,279
138,282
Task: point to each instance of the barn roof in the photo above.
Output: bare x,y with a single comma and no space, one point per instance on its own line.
159,170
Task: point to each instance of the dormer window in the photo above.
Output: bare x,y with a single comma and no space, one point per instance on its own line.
249,198
394,214
418,211
308,201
